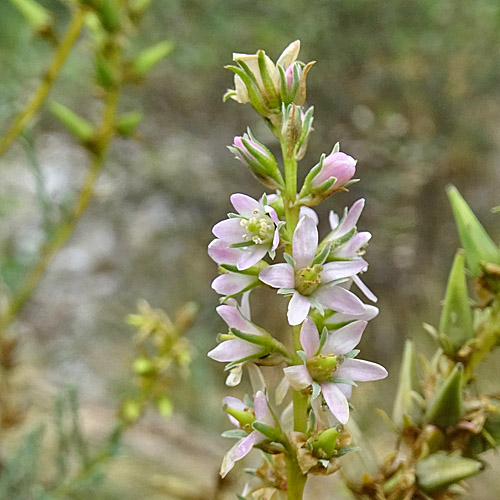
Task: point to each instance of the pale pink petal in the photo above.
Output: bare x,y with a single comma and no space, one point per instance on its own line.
276,240
231,283
305,242
235,403
232,350
245,306
298,309
262,412
336,401
278,276
351,219
289,55
246,444
257,380
346,390
360,370
281,390
245,205
370,313
298,376
341,269
235,319
339,299
251,255
272,213
365,290
309,337
238,451
344,339
229,230
350,248
333,218
309,212
220,252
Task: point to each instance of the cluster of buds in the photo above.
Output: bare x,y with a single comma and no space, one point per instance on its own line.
162,357
274,242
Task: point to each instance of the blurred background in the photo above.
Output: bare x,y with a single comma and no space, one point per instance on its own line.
409,88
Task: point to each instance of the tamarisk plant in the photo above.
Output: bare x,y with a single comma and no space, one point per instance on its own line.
443,424
274,242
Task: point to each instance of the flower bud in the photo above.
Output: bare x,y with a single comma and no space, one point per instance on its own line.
479,247
258,159
456,319
151,56
39,17
439,471
336,165
295,129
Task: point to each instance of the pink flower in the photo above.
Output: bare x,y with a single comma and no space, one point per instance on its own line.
252,232
309,280
328,365
230,283
244,446
338,165
347,242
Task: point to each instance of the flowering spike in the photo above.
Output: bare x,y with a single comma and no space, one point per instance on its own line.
456,319
479,247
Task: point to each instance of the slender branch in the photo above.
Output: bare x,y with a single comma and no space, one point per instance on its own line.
53,246
63,50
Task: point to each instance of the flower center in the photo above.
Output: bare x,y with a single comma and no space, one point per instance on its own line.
322,366
259,230
307,280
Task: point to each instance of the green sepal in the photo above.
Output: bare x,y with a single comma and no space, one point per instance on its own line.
128,123
270,432
253,90
456,319
323,255
151,56
241,497
479,247
270,92
405,404
489,437
269,343
37,15
439,471
244,417
79,126
257,355
446,408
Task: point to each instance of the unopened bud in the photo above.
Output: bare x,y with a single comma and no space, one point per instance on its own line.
258,159
127,124
151,56
39,17
82,128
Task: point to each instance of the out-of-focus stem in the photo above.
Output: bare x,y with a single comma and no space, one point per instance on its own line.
62,52
53,246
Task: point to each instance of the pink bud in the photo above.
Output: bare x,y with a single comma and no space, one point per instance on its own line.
338,165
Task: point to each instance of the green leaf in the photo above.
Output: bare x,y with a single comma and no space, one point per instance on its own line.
405,404
439,471
151,56
478,246
79,126
456,319
446,407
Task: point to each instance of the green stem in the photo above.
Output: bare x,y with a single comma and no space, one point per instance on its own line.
53,246
296,481
48,79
